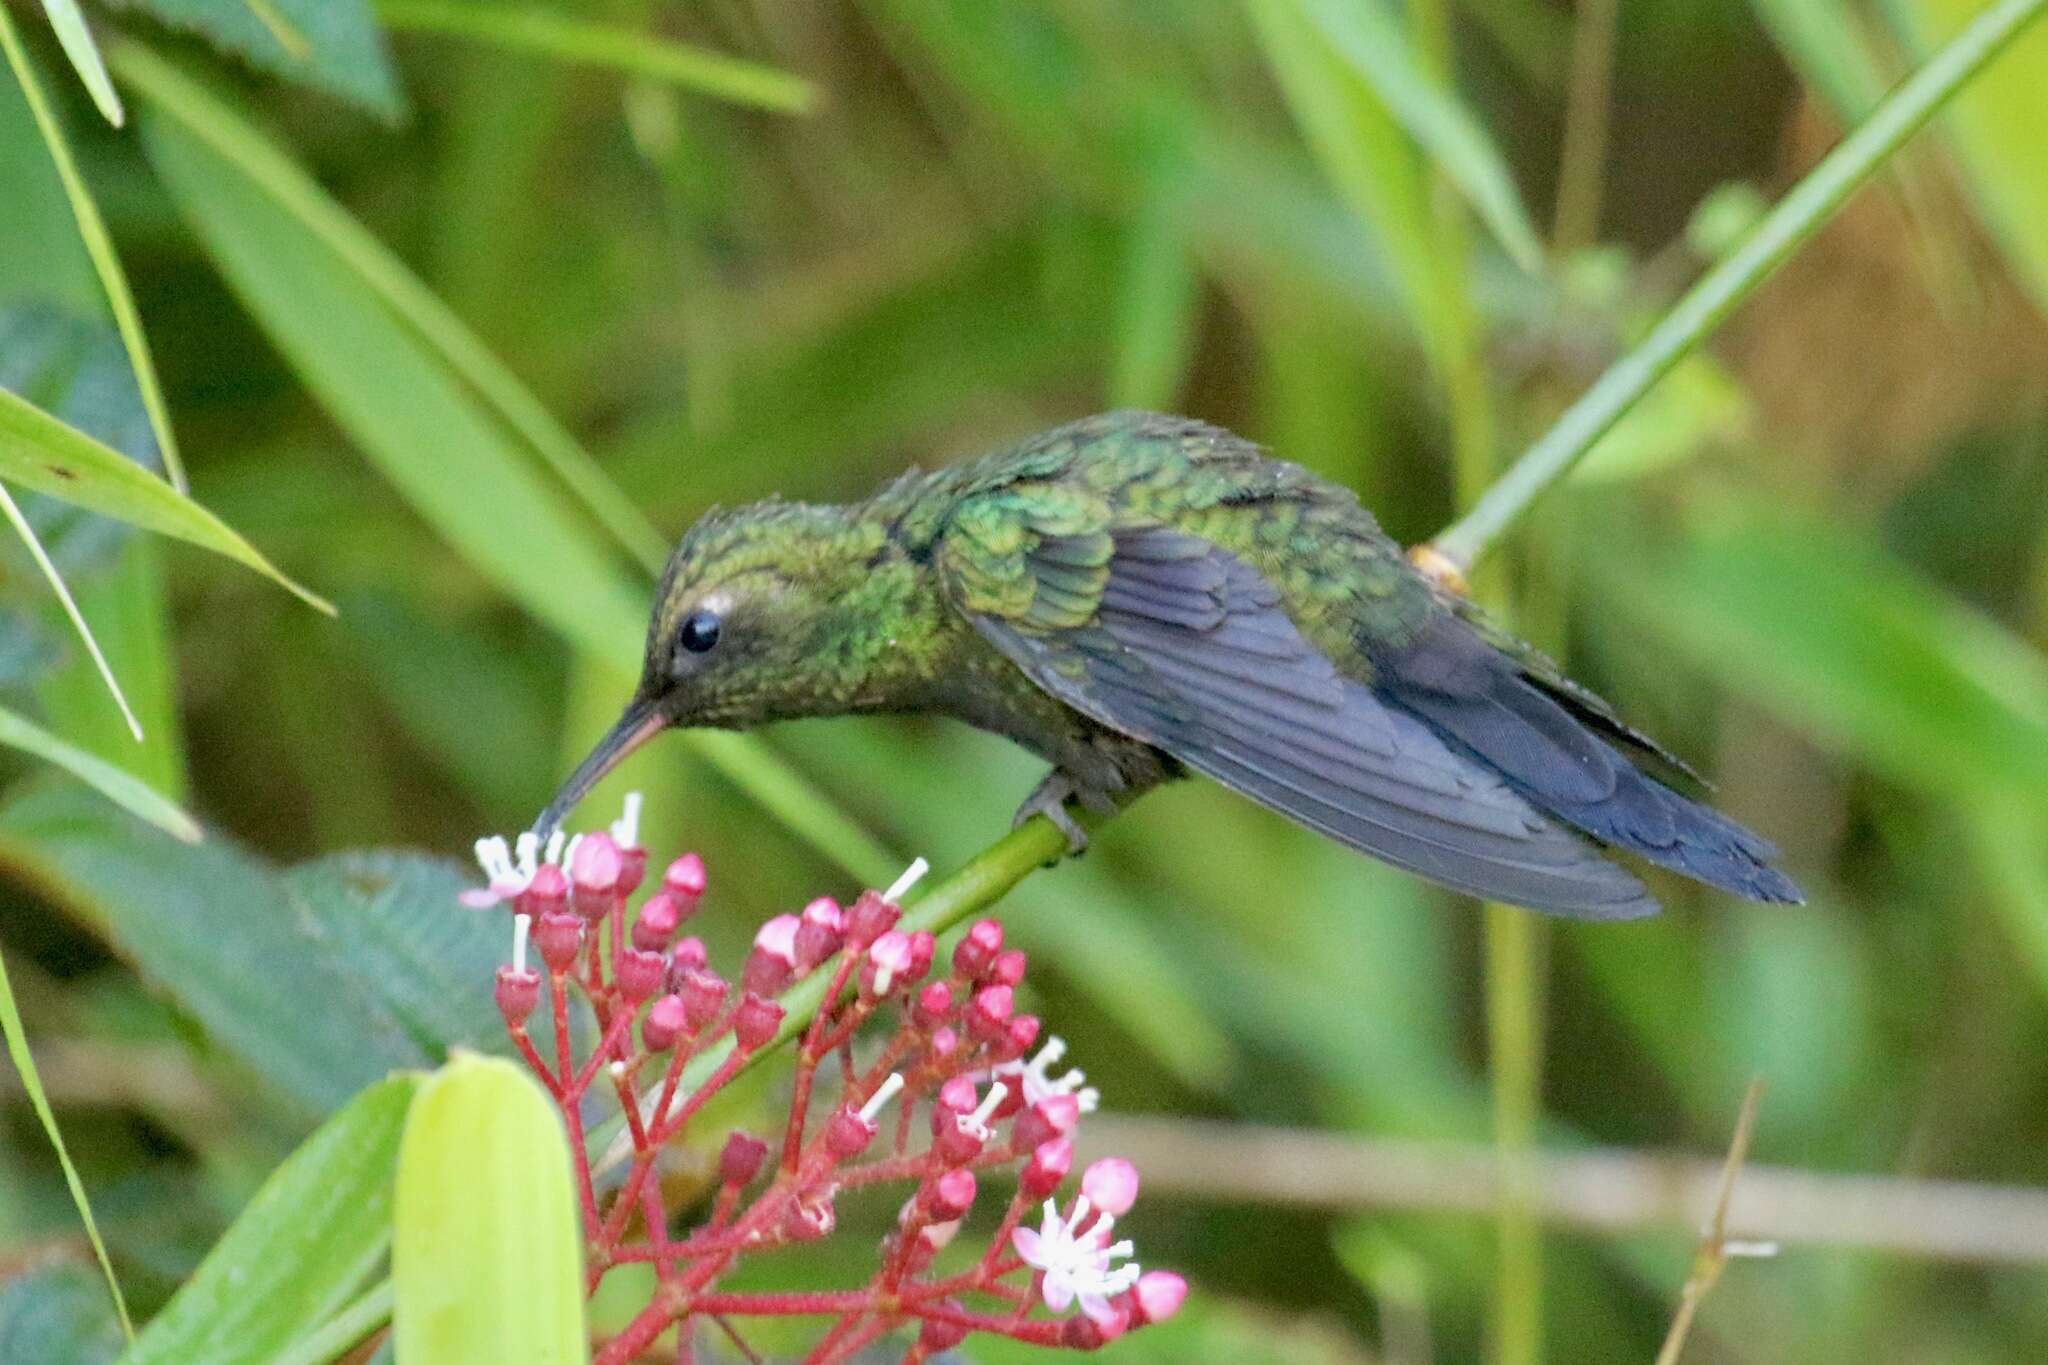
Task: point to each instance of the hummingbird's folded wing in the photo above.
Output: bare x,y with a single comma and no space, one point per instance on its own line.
1170,639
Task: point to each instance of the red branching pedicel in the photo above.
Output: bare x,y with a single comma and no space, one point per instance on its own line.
892,1043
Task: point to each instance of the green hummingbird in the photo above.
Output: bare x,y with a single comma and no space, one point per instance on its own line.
1134,596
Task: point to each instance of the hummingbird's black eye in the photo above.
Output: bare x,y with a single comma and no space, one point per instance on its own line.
699,632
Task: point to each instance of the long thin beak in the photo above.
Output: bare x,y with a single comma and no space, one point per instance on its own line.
643,721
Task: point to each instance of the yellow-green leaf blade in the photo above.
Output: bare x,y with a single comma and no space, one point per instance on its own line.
299,1251
486,1256
38,451
76,40
118,786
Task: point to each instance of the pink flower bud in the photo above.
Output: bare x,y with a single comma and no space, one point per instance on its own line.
703,995
938,1335
685,880
945,1042
666,1019
1111,1185
755,1023
1008,967
772,964
594,873
956,1138
977,950
546,893
688,955
948,1198
632,868
819,931
1020,1035
923,945
1157,1296
558,934
1082,1333
988,1014
517,993
640,974
869,918
1113,1321
932,1005
742,1158
957,1096
847,1134
660,916
1054,1116
1047,1169
887,965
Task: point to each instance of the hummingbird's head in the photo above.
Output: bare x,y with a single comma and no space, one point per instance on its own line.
766,612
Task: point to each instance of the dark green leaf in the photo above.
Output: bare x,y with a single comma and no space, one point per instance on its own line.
330,45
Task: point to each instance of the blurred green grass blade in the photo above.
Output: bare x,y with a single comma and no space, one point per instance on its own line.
38,451
1367,159
76,39
332,1338
98,245
373,268
1997,130
126,605
12,510
1802,212
635,53
1371,40
1820,625
121,787
486,1256
1824,44
301,1248
32,1086
1158,298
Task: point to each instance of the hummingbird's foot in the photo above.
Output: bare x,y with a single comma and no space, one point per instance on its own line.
1049,798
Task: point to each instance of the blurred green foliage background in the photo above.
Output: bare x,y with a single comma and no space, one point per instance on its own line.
461,314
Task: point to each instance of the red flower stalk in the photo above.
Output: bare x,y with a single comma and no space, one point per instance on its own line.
672,1033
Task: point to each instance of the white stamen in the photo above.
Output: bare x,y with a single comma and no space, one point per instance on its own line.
521,924
568,853
912,875
884,1092
554,849
976,1123
626,829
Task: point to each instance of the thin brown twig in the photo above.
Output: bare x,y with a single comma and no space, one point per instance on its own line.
1715,1248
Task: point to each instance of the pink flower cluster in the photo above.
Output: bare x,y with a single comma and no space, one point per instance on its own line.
938,1083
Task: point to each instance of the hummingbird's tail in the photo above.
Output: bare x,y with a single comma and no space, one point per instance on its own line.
1481,703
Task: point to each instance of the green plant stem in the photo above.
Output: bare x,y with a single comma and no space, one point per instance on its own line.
1796,217
1576,219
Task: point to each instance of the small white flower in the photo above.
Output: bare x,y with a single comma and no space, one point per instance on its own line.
508,868
1037,1085
1074,1257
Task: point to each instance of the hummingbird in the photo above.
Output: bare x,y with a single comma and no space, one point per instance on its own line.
1136,596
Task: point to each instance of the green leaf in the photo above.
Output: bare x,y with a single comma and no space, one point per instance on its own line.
38,451
304,1244
100,247
1371,40
12,512
329,45
1829,51
621,49
396,397
78,45
32,1086
58,1313
1158,298
222,934
1698,405
486,1256
117,785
